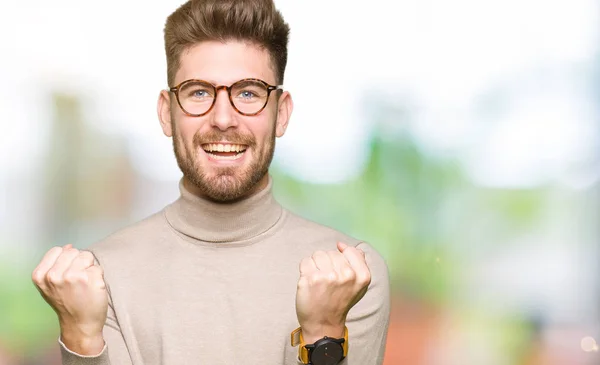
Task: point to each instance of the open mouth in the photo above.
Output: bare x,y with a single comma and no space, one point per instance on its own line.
224,151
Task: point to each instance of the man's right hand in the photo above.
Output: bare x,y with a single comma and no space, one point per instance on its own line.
73,285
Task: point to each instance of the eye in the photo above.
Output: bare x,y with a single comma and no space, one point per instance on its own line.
247,94
196,91
200,93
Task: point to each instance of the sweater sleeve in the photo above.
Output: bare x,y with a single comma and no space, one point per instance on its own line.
114,351
369,319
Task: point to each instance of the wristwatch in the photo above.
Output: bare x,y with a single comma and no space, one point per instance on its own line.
326,351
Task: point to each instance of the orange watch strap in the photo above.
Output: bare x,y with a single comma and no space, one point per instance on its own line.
345,344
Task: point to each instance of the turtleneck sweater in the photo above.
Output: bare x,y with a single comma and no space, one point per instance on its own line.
207,283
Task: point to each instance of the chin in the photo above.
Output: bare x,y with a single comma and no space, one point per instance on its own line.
224,186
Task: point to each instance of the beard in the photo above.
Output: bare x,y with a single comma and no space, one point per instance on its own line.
228,184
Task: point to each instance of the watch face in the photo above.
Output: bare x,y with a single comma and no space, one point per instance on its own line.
327,354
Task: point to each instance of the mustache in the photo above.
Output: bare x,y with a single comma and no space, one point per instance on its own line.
229,136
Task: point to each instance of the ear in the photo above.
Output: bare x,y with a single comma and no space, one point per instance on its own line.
163,109
285,107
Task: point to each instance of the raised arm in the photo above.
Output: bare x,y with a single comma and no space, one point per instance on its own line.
349,287
72,283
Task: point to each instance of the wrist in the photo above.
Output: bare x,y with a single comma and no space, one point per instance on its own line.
86,345
313,333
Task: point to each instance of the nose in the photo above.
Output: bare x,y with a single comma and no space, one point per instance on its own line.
223,114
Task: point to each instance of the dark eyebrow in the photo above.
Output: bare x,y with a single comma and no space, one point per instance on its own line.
249,82
197,81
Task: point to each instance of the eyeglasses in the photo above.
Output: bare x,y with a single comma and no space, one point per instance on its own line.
248,96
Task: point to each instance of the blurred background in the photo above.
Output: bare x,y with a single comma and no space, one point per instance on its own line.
460,138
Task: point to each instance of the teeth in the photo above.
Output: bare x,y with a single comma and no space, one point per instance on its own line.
234,157
219,147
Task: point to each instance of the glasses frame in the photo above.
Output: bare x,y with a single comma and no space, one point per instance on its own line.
216,88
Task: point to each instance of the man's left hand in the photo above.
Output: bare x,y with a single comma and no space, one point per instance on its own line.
331,282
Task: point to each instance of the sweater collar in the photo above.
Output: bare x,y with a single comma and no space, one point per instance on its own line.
209,221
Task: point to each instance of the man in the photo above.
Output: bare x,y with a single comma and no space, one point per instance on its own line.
224,275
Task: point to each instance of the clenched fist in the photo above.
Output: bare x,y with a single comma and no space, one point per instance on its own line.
73,285
330,284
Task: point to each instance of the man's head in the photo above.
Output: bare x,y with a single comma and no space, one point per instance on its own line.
222,42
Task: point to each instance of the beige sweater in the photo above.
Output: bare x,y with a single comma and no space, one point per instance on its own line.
204,283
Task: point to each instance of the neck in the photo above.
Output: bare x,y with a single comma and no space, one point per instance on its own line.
222,223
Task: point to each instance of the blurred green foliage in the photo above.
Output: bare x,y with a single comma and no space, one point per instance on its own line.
27,323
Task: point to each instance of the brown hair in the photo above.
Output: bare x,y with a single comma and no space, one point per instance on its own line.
255,21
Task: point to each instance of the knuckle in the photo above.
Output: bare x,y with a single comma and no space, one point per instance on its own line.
331,277
37,276
348,274
315,279
364,279
53,277
73,277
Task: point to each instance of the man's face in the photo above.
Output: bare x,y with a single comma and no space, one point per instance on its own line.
200,142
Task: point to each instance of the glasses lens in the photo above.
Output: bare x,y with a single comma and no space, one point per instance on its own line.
249,97
196,97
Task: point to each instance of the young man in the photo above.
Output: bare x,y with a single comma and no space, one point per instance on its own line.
224,275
